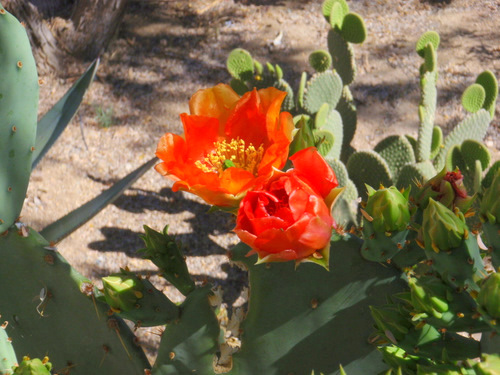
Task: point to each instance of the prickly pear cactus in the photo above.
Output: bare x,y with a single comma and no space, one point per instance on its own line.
18,116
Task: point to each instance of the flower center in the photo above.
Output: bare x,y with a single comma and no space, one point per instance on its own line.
233,154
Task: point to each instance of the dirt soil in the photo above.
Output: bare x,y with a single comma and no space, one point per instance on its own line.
166,50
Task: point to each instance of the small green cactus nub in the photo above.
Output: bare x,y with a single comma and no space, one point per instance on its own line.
489,295
437,141
442,229
473,97
320,60
240,64
353,28
427,37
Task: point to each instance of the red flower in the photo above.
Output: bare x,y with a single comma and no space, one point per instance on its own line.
289,217
229,145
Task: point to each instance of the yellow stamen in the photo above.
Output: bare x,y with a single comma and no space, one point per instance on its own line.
233,154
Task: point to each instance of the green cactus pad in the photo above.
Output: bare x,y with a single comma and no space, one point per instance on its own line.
426,112
321,116
488,178
473,127
353,28
473,150
320,60
413,175
289,102
427,37
430,58
18,116
345,209
333,124
327,304
240,64
342,57
339,169
328,6
189,344
238,86
52,309
490,84
473,98
322,88
368,167
349,115
397,152
337,15
7,353
323,141
437,141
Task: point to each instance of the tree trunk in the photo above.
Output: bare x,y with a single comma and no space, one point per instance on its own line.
95,22
85,35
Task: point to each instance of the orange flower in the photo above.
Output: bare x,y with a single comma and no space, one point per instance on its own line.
229,145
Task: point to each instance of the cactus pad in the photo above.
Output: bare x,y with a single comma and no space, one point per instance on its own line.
328,6
333,124
320,60
7,353
337,15
300,92
240,64
353,28
397,152
322,88
473,97
413,175
288,103
18,116
430,58
368,167
326,304
427,37
488,178
473,127
64,320
473,150
437,141
342,57
490,84
347,111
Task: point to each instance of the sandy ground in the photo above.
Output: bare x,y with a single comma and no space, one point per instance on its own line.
166,51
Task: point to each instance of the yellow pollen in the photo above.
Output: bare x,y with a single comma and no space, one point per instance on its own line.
233,154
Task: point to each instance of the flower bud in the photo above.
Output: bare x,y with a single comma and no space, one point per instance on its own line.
448,189
441,228
122,290
489,296
490,204
389,209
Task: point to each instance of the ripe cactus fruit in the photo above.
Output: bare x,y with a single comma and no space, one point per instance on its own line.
18,116
489,296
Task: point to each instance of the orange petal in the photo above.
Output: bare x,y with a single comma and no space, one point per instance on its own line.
214,102
236,180
200,132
